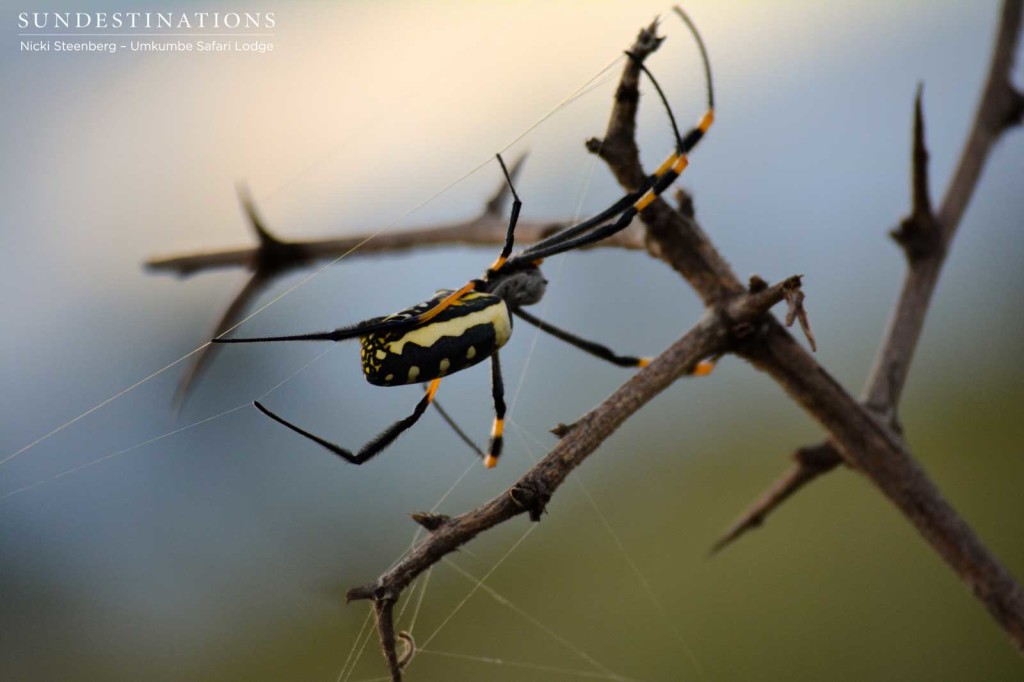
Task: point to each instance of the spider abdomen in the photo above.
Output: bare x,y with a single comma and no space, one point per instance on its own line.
460,336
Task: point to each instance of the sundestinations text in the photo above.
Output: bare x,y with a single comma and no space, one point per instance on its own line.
147,20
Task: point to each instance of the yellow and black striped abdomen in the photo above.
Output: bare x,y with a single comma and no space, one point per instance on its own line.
460,336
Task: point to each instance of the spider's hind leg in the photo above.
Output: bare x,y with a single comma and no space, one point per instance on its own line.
498,391
381,441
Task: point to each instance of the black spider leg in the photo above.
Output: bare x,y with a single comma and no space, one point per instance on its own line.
595,349
497,431
652,186
372,326
615,209
591,237
510,233
623,203
662,183
456,428
381,441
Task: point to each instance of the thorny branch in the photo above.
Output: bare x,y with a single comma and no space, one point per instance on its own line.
736,321
925,238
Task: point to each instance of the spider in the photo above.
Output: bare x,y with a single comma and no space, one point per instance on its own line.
455,330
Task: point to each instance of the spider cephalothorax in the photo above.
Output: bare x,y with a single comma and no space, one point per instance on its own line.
524,285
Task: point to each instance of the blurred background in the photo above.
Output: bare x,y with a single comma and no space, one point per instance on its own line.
223,551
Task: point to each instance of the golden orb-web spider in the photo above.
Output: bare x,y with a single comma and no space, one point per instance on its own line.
457,329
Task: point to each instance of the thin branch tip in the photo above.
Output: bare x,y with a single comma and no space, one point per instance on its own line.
919,234
384,609
430,521
1015,112
531,497
561,430
756,284
745,310
495,205
809,463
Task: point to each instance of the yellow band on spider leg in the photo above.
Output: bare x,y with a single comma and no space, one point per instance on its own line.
706,120
681,164
498,263
491,459
432,389
645,201
703,368
643,362
666,165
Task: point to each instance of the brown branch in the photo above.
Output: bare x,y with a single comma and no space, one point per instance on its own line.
684,247
871,447
484,230
808,463
383,608
866,443
190,377
925,239
487,229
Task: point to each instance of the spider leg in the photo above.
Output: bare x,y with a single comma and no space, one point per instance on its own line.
510,233
661,183
498,391
372,326
457,429
595,349
702,368
652,186
591,237
381,441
